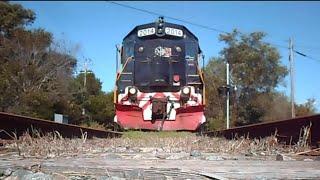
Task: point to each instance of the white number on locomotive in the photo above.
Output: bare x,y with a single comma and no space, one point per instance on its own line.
146,32
174,32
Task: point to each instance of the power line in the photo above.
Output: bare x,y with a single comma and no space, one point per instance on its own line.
306,56
170,17
201,26
300,53
295,51
308,47
281,46
184,21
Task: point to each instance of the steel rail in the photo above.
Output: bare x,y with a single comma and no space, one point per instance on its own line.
288,131
11,124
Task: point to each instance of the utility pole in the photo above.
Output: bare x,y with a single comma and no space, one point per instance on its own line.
225,91
85,66
291,60
228,96
85,71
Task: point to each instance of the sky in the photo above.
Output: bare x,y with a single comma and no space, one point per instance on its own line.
94,28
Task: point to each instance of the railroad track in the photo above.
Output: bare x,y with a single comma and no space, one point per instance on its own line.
11,124
288,131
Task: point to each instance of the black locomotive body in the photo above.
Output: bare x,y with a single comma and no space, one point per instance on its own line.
160,81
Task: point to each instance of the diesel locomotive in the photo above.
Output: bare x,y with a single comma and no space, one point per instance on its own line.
160,84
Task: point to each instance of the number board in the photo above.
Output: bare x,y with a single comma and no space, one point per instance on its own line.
146,32
168,31
174,31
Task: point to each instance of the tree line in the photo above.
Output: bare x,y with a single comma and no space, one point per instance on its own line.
256,72
37,74
37,77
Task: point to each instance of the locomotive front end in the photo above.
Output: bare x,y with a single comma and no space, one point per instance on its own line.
160,86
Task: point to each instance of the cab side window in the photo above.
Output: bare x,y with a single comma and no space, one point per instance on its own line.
191,51
128,50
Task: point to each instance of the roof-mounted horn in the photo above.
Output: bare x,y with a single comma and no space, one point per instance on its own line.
161,19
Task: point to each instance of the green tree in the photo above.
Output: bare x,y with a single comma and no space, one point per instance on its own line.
34,74
256,71
98,105
255,64
306,109
93,85
101,107
13,16
277,106
215,78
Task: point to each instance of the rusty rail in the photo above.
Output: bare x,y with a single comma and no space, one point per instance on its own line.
11,123
288,131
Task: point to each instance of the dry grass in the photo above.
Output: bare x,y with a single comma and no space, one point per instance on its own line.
53,145
94,125
185,142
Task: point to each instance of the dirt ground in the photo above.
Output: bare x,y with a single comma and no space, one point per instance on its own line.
140,155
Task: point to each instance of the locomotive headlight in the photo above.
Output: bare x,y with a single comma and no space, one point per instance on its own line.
185,95
186,90
140,49
133,94
132,90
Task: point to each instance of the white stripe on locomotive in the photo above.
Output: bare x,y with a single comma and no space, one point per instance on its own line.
144,99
